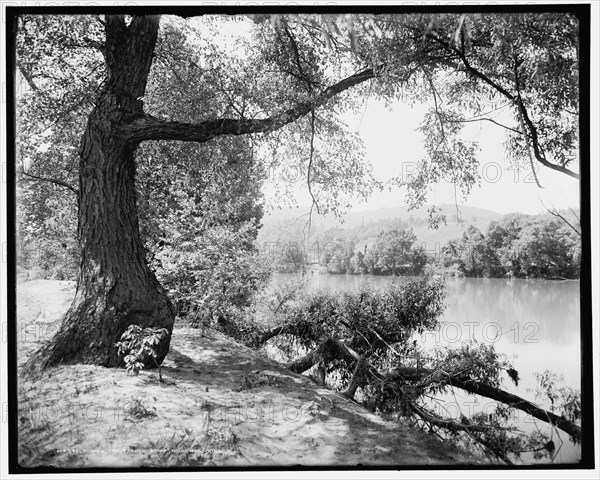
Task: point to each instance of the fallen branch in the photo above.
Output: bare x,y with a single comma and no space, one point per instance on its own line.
326,350
467,384
357,378
305,363
402,375
287,329
449,424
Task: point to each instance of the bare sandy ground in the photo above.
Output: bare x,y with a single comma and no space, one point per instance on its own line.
222,405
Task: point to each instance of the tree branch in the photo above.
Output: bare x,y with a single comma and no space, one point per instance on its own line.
514,98
288,329
450,424
455,426
521,119
554,212
301,75
402,375
28,77
147,127
56,181
305,363
99,20
356,380
472,386
482,119
310,164
540,157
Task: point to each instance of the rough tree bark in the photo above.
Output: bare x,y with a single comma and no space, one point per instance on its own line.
115,287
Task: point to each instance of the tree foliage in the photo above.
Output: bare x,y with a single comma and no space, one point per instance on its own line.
519,246
59,71
395,252
518,71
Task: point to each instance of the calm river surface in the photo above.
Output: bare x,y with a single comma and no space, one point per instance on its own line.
534,322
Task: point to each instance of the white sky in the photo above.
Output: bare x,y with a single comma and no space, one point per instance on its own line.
393,146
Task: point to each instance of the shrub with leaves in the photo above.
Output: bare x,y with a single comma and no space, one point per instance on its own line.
479,360
212,276
138,346
199,220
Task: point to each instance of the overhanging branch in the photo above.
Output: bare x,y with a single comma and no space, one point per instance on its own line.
485,119
147,127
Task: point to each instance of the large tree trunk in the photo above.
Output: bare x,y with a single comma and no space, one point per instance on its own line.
115,287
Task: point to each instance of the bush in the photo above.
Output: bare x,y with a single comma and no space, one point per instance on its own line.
214,276
138,347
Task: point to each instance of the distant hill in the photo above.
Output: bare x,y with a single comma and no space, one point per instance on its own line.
467,214
289,225
352,219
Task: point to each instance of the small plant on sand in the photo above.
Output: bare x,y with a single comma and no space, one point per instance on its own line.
138,409
138,345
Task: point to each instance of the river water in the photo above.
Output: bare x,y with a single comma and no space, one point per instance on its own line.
536,323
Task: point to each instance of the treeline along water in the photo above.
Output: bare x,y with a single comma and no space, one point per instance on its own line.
536,323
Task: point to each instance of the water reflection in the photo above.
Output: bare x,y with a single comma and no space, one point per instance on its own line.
552,306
